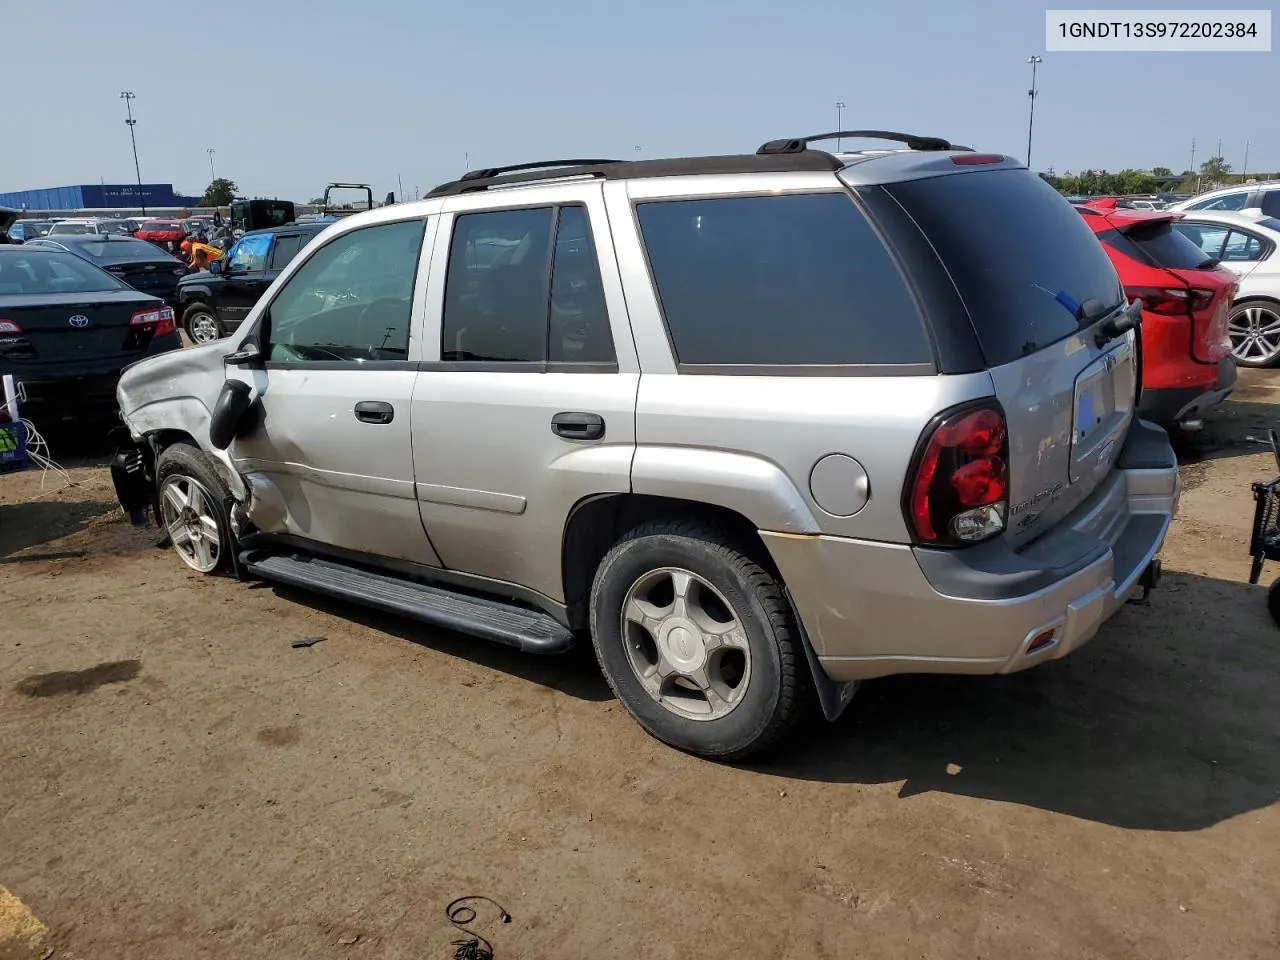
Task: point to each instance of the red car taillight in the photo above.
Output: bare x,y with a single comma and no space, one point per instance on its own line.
161,318
1171,301
959,491
8,326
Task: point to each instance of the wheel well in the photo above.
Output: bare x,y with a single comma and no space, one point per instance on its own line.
1256,298
162,439
597,523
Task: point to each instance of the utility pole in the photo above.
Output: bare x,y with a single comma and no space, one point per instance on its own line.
1193,154
210,151
1032,93
839,122
128,97
1244,167
1219,153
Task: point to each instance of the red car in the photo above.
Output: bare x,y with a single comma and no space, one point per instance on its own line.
1187,366
162,232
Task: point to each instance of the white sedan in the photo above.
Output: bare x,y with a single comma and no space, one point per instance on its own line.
1248,243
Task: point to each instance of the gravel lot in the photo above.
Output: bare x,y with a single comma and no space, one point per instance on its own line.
177,781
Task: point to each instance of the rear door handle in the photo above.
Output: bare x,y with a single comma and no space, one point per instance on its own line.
578,426
375,411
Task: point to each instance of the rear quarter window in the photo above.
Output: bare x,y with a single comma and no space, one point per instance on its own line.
792,280
1018,253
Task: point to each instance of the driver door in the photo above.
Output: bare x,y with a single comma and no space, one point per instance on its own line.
331,460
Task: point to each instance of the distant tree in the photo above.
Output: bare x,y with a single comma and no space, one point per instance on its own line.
1161,172
1215,170
220,193
316,201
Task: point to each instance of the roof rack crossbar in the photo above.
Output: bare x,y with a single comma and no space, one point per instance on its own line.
486,172
914,142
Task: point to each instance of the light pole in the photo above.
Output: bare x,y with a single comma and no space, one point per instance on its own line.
839,122
1244,167
210,151
128,97
1032,93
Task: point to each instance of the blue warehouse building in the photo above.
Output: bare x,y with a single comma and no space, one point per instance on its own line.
97,196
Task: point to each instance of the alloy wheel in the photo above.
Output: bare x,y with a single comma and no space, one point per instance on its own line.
203,328
186,506
1255,335
685,643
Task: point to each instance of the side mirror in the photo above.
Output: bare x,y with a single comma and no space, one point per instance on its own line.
215,267
230,413
247,356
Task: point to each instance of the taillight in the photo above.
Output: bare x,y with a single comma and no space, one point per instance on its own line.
8,326
959,492
1171,301
973,159
179,271
160,317
116,271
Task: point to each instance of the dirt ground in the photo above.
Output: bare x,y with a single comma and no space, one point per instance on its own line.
177,781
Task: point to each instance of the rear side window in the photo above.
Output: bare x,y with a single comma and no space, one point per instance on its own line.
1157,244
799,279
285,249
1271,203
1232,201
1020,255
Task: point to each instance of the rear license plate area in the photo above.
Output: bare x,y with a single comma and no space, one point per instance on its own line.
1104,394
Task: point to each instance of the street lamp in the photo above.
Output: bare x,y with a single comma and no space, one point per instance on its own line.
210,151
839,121
1031,122
128,97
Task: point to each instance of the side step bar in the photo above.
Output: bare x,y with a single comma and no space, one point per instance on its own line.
530,630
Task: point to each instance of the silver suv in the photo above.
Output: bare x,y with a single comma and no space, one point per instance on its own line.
761,426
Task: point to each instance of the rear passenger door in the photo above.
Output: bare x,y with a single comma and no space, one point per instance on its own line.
527,403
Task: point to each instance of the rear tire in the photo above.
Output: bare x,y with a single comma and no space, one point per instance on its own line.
201,324
192,508
698,641
1273,602
1254,328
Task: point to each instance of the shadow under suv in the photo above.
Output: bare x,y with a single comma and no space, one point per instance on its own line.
760,427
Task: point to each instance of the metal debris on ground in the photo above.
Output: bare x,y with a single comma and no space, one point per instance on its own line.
460,915
306,642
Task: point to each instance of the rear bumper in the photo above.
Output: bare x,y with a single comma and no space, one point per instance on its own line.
1172,405
873,609
85,391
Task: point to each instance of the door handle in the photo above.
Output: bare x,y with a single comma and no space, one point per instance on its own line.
375,411
578,426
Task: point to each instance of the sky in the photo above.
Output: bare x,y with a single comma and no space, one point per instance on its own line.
292,94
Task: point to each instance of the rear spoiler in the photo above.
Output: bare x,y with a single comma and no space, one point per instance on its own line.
1127,218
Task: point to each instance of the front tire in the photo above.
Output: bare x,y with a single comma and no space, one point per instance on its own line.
201,324
698,641
192,508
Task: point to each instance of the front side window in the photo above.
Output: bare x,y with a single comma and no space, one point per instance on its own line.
351,300
511,297
249,255
801,279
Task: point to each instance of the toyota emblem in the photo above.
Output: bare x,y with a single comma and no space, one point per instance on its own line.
79,320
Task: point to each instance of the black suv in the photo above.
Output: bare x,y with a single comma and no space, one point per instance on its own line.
214,302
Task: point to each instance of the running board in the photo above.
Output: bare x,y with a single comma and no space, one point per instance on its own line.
529,630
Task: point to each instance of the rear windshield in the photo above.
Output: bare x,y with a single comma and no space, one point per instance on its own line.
47,272
1157,244
161,225
120,249
76,229
1017,251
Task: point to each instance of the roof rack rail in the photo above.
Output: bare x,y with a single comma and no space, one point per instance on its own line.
486,172
800,144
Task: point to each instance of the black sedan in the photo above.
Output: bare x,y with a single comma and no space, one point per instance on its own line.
142,265
67,329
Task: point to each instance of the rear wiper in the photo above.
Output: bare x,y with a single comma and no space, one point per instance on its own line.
1209,264
1119,324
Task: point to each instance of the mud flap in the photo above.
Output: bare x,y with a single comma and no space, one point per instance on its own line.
833,696
134,483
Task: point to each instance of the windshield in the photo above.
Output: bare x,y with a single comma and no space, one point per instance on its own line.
48,272
75,229
1024,261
